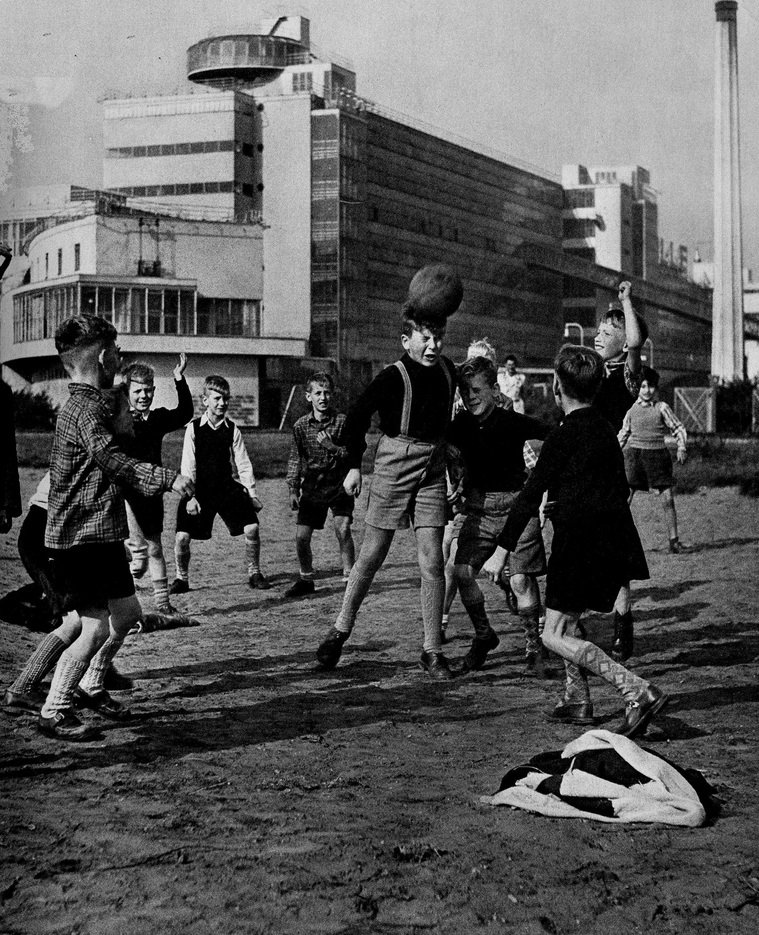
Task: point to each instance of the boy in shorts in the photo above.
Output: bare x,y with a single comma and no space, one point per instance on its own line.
620,337
86,525
211,443
315,471
595,543
648,464
145,514
490,441
413,397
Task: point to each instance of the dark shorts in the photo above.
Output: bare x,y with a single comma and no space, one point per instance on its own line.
408,484
91,575
313,514
148,514
648,469
234,507
485,519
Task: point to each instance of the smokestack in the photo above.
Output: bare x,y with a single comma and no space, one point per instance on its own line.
727,303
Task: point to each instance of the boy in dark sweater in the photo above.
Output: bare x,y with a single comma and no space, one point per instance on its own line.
211,444
413,397
149,426
595,543
621,335
490,441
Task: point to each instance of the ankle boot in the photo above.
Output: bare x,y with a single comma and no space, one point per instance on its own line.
622,647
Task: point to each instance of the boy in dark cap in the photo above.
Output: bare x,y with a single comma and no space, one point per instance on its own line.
414,398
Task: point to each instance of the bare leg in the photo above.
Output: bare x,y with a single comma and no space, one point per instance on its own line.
345,541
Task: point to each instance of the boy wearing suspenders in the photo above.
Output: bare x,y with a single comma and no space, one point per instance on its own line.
414,398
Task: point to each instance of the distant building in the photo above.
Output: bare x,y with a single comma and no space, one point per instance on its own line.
329,205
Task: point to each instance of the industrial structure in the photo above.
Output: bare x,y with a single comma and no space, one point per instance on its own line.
328,204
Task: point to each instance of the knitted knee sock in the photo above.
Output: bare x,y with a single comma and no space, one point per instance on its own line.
478,616
68,674
93,679
182,559
596,661
161,593
355,591
39,664
252,553
433,595
575,683
529,617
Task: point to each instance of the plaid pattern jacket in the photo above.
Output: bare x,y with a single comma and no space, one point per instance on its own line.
86,503
313,469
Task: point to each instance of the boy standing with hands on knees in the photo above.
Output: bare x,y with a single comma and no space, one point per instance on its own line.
315,471
414,398
595,547
86,525
211,444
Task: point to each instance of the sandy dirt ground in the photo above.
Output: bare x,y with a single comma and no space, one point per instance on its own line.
252,793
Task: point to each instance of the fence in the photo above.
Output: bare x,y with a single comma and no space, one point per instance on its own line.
695,407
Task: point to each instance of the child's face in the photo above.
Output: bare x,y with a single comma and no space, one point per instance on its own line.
610,340
141,395
320,397
511,366
479,396
647,391
424,346
216,404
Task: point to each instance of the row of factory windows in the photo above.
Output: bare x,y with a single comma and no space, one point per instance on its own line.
183,149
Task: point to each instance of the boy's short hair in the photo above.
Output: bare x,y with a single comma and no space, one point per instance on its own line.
509,357
481,347
615,314
411,324
321,378
138,373
217,384
650,375
474,366
580,371
80,331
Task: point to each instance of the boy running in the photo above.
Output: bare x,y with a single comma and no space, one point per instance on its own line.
145,514
648,464
595,544
211,444
86,525
315,471
490,440
413,397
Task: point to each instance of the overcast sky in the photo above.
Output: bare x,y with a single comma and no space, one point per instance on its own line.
544,81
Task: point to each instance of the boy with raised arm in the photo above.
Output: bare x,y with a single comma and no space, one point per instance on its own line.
413,397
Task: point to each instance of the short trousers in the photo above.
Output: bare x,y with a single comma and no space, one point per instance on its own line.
146,513
648,469
234,507
408,484
486,517
313,514
91,575
36,558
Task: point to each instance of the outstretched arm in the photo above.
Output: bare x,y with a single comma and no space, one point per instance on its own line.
633,334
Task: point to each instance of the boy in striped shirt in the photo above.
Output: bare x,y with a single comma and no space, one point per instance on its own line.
648,464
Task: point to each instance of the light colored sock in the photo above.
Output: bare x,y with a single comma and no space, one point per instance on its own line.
161,593
478,616
68,674
575,683
433,596
355,591
94,677
41,661
595,660
182,560
307,575
530,624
